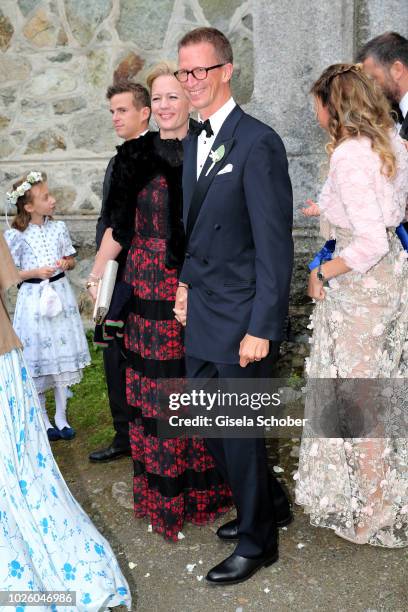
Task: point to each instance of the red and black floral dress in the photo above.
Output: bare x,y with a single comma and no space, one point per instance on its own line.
174,479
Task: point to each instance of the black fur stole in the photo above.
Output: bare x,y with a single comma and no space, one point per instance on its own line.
137,162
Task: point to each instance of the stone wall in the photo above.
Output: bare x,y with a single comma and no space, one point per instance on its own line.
57,59
58,56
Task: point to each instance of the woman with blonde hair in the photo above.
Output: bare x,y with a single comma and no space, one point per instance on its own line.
174,479
357,483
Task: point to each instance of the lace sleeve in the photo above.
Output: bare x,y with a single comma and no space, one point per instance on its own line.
354,182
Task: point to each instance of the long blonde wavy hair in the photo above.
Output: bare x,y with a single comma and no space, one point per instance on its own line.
356,107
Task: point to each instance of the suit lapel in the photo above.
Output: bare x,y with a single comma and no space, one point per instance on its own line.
404,128
189,172
224,137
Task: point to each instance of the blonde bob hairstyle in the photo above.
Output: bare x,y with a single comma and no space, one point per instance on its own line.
356,107
163,68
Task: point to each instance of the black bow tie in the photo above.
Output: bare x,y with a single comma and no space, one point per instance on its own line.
196,127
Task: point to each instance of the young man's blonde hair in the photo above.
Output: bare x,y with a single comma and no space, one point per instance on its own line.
140,94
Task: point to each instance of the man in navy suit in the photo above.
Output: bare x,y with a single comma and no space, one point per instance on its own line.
234,285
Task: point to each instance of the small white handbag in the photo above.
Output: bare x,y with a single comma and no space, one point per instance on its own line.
50,303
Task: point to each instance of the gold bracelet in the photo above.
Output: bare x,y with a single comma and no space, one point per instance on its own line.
183,285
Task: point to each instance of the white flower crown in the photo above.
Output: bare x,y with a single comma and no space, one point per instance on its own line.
31,179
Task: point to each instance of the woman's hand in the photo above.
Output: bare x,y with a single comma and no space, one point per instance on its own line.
312,209
180,306
65,263
109,249
93,291
315,287
45,272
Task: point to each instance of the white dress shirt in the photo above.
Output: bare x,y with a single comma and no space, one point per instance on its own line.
205,143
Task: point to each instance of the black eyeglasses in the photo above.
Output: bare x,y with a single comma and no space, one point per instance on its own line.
199,73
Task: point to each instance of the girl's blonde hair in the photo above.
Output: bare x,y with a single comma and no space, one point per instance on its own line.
356,107
164,68
22,218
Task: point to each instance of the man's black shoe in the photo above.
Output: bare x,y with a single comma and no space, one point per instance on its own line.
109,454
229,531
285,521
237,569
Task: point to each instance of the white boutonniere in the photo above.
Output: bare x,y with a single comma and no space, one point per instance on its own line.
216,156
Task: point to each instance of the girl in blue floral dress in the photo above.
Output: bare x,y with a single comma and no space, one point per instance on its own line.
46,318
47,542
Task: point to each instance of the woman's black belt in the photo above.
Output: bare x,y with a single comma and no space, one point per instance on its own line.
40,280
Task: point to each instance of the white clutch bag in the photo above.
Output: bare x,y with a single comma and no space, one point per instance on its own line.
105,290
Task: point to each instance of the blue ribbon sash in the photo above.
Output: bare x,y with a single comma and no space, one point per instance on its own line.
402,235
326,252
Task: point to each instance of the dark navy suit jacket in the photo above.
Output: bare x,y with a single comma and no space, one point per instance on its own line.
102,223
239,240
404,128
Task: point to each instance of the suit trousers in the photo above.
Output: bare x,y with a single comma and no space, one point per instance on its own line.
115,372
243,464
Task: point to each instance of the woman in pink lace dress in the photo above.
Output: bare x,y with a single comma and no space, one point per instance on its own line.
358,486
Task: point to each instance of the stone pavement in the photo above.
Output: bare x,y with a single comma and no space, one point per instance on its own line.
316,570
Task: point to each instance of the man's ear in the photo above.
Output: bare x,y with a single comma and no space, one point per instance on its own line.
228,69
146,113
397,70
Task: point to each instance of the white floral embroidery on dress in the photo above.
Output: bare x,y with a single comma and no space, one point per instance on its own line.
359,486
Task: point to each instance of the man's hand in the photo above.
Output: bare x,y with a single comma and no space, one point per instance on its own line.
180,306
252,349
